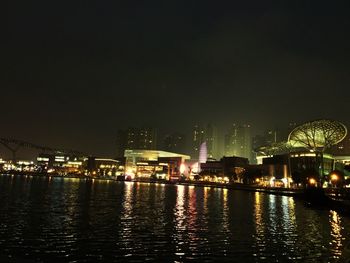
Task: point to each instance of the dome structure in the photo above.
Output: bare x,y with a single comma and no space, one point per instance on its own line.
317,135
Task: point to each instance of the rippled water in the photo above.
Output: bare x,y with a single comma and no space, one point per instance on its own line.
72,220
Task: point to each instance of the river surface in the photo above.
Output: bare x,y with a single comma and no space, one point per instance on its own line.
78,220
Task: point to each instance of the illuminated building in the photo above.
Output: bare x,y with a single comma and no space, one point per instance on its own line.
227,169
301,164
238,141
2,162
104,167
153,164
18,166
307,151
135,138
60,163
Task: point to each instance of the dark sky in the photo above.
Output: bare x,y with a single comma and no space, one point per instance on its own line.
76,71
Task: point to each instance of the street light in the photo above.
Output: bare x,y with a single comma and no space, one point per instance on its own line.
334,179
312,181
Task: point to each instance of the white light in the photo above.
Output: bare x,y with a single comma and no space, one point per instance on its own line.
182,168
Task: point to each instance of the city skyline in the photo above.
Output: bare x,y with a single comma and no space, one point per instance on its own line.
235,140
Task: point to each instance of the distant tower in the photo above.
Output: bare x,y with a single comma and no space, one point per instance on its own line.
238,141
136,138
206,134
211,140
198,137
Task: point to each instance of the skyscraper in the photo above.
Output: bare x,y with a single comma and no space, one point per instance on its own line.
238,141
207,135
269,137
211,141
198,137
136,138
175,142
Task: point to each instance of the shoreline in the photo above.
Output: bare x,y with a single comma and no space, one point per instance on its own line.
233,186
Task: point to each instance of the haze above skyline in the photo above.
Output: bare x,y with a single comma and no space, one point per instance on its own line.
74,73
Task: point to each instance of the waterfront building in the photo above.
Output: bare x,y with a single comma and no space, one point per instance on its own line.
302,165
103,167
18,166
238,141
306,158
149,164
136,138
225,170
60,163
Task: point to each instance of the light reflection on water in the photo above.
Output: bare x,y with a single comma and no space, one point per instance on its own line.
336,233
44,219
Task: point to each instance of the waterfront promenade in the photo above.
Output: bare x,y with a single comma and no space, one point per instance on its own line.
334,193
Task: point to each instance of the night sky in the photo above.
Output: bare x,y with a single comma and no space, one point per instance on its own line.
73,72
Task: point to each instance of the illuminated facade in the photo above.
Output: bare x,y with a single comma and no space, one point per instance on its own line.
307,153
153,164
60,163
318,135
225,170
104,167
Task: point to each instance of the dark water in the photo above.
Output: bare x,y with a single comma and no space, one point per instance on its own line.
71,220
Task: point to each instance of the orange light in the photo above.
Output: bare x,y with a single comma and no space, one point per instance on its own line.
312,181
334,177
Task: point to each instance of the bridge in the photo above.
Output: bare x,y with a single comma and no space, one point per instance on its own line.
13,145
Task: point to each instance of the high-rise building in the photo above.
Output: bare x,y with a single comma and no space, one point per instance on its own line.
136,138
238,141
207,135
198,137
267,138
211,140
342,148
175,142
